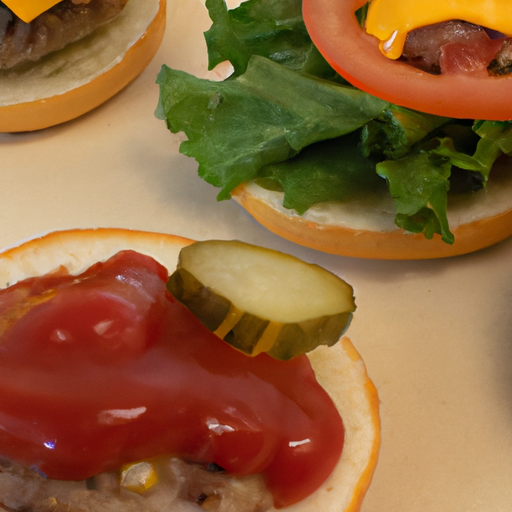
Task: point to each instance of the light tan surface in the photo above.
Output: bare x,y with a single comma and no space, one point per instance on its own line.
436,336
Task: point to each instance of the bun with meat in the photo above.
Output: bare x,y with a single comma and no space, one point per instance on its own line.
97,419
61,59
351,150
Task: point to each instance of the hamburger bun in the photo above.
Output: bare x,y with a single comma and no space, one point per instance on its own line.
339,369
70,82
365,228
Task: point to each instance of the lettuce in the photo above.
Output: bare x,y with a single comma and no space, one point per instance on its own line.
287,120
238,126
269,28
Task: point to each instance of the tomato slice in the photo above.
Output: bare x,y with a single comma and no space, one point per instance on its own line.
355,55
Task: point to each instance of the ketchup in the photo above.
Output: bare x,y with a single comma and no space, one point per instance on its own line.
108,368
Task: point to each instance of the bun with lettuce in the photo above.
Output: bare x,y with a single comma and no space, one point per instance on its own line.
326,163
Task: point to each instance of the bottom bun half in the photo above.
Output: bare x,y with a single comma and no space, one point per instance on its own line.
339,369
68,83
365,228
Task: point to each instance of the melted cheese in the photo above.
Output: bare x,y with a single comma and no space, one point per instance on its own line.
27,10
391,20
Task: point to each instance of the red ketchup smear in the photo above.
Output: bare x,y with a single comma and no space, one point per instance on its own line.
107,368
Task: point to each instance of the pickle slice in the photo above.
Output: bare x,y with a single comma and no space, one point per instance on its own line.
261,300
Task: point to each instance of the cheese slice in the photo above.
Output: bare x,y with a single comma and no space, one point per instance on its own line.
391,20
27,10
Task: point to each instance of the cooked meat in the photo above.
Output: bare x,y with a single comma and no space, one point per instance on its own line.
66,22
502,63
181,487
451,47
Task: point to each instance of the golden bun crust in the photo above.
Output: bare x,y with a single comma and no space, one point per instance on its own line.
366,229
84,75
339,369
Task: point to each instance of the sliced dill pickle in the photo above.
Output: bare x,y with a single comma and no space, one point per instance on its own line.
261,300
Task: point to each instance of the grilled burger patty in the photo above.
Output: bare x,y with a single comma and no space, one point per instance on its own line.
181,487
458,46
65,23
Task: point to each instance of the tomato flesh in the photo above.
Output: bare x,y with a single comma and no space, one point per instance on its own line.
355,55
108,368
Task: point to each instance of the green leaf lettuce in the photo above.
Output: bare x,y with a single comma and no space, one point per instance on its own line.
287,120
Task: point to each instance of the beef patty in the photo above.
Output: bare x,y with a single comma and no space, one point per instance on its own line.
65,23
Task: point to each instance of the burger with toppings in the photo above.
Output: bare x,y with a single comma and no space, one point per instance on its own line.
371,129
126,388
61,59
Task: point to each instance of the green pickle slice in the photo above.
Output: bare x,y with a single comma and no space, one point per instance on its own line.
262,300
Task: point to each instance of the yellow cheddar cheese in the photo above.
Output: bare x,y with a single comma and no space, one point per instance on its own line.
391,20
27,10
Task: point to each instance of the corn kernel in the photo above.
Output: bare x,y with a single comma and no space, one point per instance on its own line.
138,477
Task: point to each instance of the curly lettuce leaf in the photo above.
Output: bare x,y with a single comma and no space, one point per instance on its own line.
236,127
278,121
397,130
269,28
497,132
495,139
331,170
419,185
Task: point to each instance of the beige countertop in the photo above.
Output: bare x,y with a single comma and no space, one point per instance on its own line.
436,335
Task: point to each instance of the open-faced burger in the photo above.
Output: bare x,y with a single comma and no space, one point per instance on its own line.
115,396
329,142
61,59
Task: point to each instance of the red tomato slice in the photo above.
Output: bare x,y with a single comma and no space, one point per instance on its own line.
355,55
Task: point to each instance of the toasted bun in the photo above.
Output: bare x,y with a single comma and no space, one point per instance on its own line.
73,81
365,228
339,369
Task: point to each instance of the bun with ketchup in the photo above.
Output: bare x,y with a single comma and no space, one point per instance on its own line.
102,369
374,129
61,58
